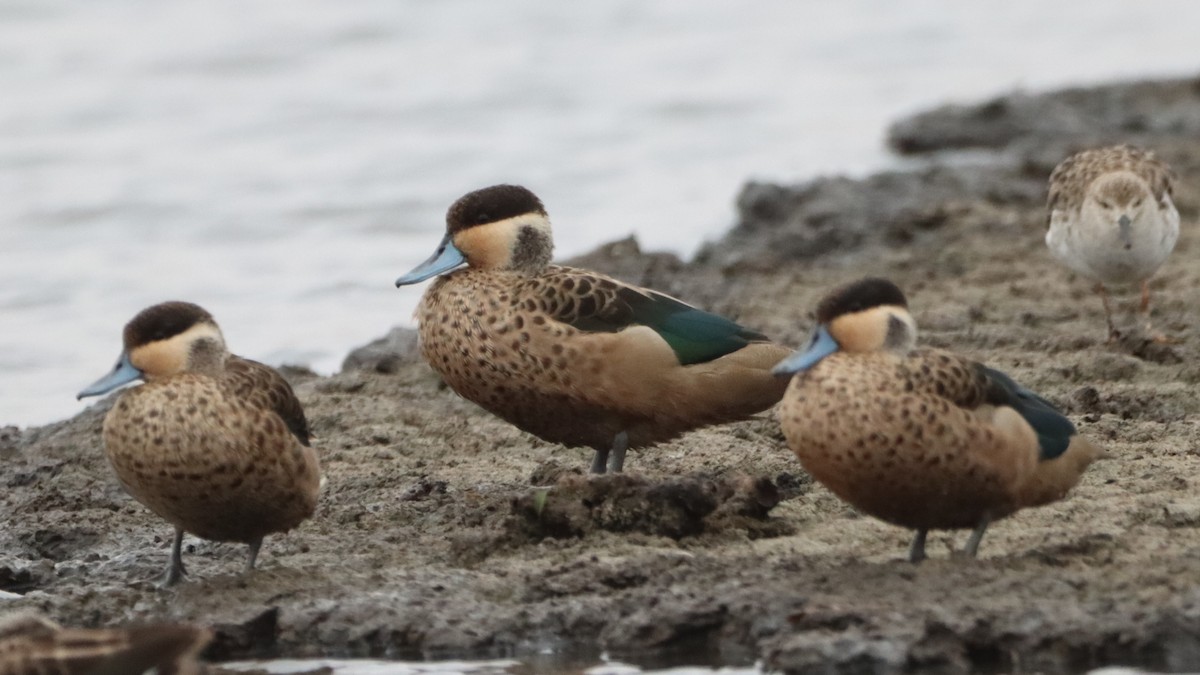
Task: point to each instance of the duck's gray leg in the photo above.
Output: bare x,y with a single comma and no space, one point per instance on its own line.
600,461
616,462
916,552
253,556
977,536
175,571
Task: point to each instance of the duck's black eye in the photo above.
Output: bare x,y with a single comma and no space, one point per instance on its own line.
1137,202
482,218
1104,204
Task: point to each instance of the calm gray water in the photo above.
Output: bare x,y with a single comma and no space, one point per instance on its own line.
281,163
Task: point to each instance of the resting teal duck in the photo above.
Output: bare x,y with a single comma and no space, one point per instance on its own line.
921,438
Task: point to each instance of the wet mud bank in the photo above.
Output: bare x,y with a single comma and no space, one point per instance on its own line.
445,532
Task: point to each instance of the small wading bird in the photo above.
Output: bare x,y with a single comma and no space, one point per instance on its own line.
920,438
1112,220
33,645
215,444
572,356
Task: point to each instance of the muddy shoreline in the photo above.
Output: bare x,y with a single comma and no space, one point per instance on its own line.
445,532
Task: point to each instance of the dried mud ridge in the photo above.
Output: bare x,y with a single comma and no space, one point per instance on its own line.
445,532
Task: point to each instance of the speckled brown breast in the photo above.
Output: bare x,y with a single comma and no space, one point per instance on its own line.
905,439
487,335
208,461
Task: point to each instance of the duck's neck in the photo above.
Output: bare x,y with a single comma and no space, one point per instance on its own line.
531,251
207,357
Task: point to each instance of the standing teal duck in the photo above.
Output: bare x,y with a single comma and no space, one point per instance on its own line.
921,438
215,444
572,356
33,645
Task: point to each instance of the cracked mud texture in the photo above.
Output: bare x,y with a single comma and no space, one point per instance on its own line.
446,532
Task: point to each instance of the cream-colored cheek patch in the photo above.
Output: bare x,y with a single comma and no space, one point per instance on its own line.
159,359
488,246
168,357
491,246
862,331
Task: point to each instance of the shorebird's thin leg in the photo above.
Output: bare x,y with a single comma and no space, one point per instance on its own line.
1113,334
253,555
175,571
977,536
916,552
616,462
1144,311
600,461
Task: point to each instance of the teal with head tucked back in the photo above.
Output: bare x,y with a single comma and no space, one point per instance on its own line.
573,356
921,438
215,444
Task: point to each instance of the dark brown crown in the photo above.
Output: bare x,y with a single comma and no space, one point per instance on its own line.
489,205
163,321
858,296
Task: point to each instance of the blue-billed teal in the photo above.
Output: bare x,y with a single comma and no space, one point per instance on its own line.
1112,219
572,356
33,645
921,438
215,444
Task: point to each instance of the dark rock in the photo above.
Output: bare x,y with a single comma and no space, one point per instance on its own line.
577,505
254,637
423,489
10,440
780,225
387,354
21,576
624,260
1058,122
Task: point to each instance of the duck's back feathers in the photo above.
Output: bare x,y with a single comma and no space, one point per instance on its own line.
263,386
970,385
596,304
1054,431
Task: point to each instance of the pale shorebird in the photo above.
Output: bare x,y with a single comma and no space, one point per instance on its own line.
1112,219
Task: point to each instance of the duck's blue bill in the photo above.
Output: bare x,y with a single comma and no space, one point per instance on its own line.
822,345
445,258
123,373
